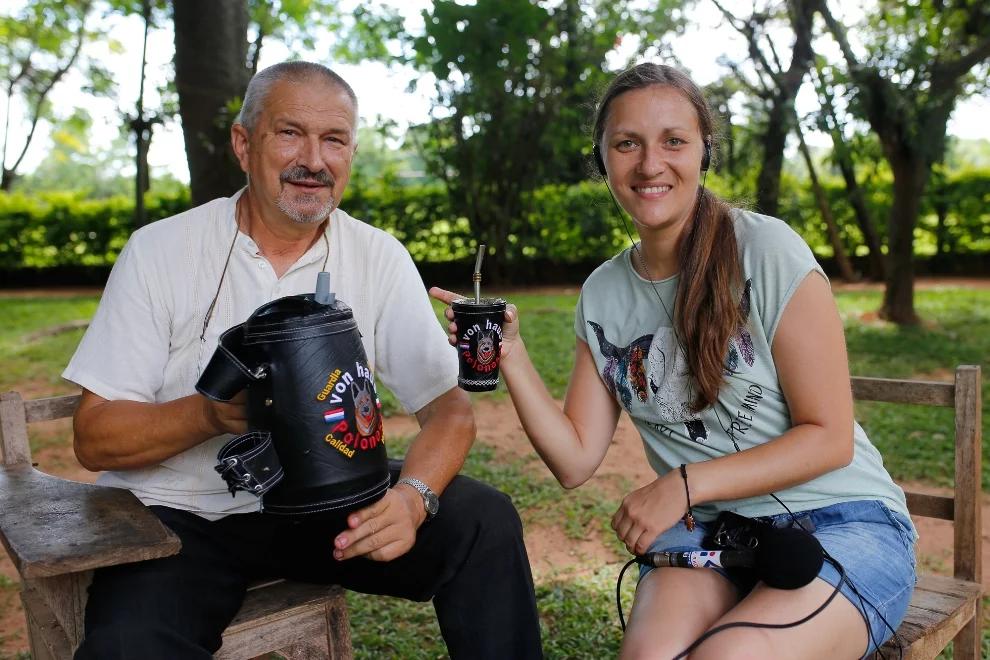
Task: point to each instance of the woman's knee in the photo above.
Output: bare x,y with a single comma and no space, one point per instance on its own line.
649,647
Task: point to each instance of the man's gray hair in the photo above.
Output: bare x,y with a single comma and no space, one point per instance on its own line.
298,71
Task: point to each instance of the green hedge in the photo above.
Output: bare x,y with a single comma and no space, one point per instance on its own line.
64,229
963,198
562,225
419,216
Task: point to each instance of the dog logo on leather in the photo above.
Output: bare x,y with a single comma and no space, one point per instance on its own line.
486,347
364,407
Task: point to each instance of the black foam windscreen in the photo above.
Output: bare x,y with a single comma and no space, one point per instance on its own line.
599,161
706,158
788,558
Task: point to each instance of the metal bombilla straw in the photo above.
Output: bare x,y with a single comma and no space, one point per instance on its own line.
477,274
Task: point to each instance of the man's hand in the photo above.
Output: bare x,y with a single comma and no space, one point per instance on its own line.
385,530
226,417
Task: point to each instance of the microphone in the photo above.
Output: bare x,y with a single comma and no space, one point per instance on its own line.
788,558
699,559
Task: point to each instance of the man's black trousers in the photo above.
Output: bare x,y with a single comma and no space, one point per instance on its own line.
470,559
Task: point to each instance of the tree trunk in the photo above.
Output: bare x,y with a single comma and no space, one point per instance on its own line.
141,182
863,219
910,177
142,131
778,126
786,83
843,158
842,262
210,71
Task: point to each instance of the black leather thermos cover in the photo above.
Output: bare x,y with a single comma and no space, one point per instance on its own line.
309,384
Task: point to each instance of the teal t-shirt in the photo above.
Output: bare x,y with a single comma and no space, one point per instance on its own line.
641,364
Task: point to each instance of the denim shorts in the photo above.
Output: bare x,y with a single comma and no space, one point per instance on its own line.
873,544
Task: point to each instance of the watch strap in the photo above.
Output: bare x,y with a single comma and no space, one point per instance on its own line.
425,492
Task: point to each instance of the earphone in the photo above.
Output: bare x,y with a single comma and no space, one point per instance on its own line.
844,579
706,158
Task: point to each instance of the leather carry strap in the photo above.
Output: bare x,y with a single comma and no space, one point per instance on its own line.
232,367
249,463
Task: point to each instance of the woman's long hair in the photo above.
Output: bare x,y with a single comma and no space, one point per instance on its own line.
707,311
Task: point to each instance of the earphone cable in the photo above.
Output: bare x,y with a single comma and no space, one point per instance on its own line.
843,577
216,296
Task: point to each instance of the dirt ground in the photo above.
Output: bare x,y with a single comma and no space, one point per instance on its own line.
551,553
499,427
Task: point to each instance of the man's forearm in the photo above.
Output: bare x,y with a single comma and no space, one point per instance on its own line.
446,433
127,435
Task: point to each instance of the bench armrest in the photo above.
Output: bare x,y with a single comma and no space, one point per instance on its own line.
53,526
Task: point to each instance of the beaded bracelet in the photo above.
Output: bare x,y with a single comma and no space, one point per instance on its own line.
688,515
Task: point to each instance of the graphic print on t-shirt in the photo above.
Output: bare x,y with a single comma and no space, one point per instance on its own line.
741,350
654,367
623,371
669,378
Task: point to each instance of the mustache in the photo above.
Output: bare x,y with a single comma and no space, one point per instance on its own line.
300,173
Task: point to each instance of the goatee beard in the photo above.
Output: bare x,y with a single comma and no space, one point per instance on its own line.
300,216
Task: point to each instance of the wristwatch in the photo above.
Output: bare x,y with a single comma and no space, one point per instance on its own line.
430,500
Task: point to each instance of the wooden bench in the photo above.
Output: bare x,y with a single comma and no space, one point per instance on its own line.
944,609
96,526
57,531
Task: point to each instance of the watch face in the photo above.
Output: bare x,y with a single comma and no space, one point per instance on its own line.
432,502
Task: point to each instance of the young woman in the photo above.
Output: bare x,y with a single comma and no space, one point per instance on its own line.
718,334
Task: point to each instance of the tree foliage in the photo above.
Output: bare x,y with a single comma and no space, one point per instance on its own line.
39,45
514,82
776,83
218,46
917,60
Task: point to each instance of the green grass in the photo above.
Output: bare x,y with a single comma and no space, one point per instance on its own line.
576,616
39,361
577,620
916,441
578,613
538,498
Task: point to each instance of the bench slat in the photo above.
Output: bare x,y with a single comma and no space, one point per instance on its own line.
939,607
930,506
888,390
53,526
56,407
287,612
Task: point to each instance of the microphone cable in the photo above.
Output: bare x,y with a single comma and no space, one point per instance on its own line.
753,624
863,601
618,592
843,578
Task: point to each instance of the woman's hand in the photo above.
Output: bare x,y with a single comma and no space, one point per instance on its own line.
510,325
648,511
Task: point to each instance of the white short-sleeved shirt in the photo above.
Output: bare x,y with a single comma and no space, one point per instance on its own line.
143,343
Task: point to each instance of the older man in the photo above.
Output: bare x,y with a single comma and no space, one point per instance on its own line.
181,282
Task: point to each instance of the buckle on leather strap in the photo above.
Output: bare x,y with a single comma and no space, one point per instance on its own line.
249,463
236,476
